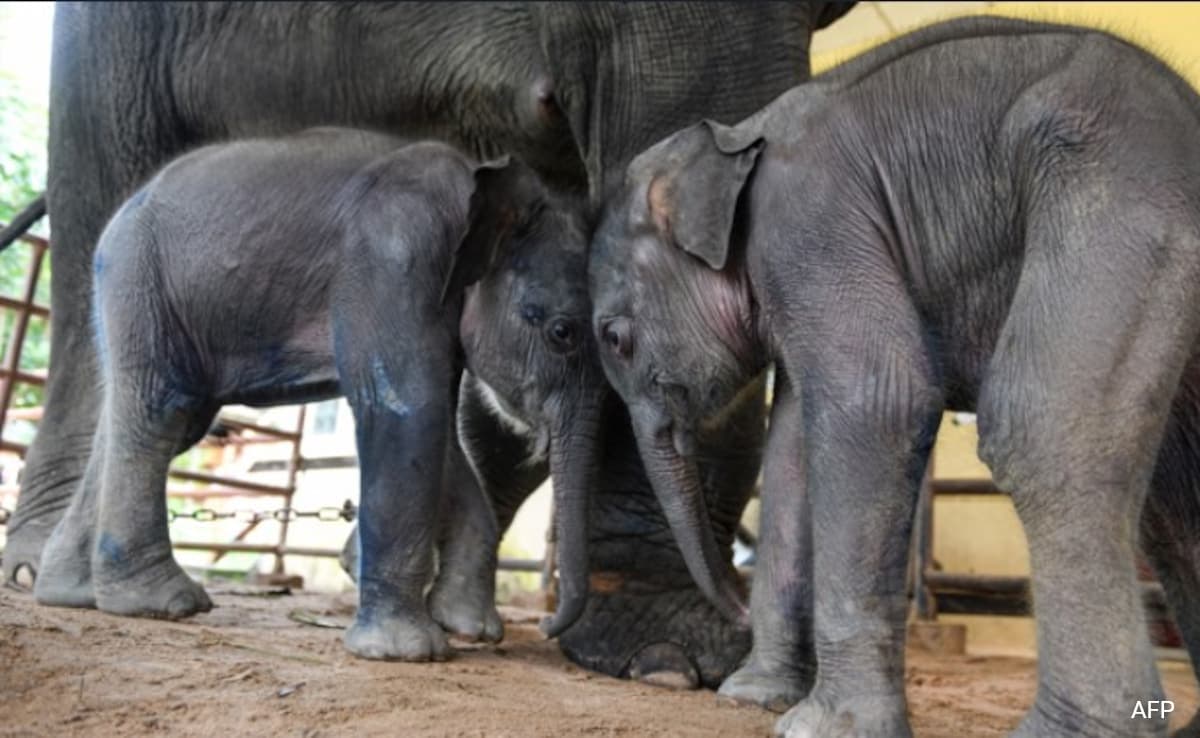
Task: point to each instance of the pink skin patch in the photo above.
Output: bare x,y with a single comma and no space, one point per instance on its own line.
658,198
720,296
726,304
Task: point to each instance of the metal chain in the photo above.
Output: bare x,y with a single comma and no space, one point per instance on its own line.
347,512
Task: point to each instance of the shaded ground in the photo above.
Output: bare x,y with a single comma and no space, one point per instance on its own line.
247,668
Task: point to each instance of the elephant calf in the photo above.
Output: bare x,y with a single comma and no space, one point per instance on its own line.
333,262
985,215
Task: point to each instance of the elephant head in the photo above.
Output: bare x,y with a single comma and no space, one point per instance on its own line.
716,59
521,267
675,321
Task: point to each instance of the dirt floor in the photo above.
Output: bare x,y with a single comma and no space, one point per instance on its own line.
251,668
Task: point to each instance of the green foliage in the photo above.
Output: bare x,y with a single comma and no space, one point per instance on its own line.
23,128
22,149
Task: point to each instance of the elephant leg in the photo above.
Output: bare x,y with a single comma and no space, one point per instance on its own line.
463,598
402,424
96,159
133,568
504,461
65,571
395,355
1170,529
56,461
781,666
870,409
489,474
1071,420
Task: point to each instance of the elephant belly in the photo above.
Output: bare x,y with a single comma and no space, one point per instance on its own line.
274,372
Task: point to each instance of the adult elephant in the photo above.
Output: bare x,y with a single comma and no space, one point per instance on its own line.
573,89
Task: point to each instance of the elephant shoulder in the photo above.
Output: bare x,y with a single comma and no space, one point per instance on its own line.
407,200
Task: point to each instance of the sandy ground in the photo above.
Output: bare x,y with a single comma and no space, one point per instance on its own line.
248,668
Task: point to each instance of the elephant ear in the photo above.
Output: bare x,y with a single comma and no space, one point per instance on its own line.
491,217
693,205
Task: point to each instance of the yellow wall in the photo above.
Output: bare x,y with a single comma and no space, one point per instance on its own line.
983,535
1167,29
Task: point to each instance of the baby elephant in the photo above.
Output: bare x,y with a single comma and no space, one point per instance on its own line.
333,262
985,215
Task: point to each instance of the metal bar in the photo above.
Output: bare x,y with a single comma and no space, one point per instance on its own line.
292,468
39,310
922,560
33,240
268,548
941,580
967,594
215,493
965,487
25,219
22,377
264,430
307,464
1171,654
194,476
532,565
241,536
961,603
251,440
25,413
12,355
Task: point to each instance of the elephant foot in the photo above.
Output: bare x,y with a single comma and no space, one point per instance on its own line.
59,592
65,577
64,582
754,684
157,590
664,665
467,612
861,717
23,552
669,635
1037,724
397,638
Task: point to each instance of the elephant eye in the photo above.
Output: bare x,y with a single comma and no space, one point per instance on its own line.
562,335
616,336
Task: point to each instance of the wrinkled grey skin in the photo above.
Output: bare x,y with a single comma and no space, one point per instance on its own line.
276,271
985,215
574,89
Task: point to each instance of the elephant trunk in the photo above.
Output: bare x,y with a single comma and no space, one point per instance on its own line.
676,483
574,459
